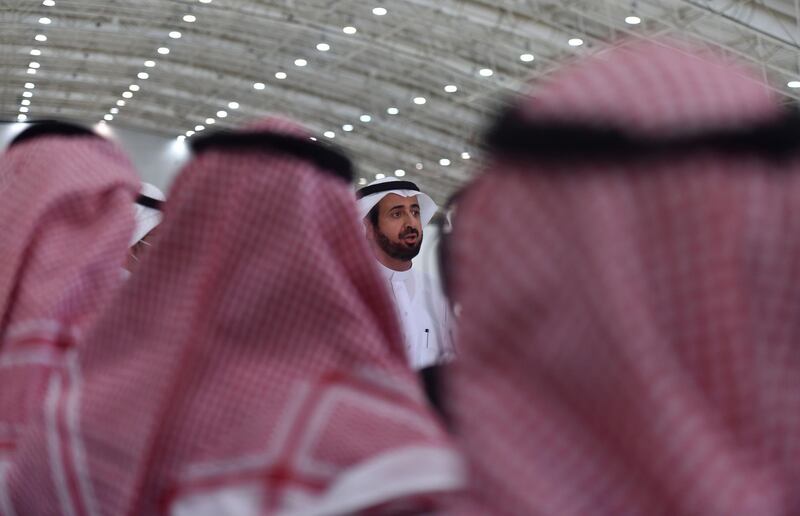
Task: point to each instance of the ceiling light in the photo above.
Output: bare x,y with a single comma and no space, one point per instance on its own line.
40,37
143,75
113,110
127,94
36,52
444,162
133,87
29,85
25,102
420,100
108,118
419,166
32,71
633,20
233,105
392,110
205,1
347,127
280,75
120,103
380,176
199,128
34,64
300,62
27,94
222,114
323,47
21,118
575,42
365,118
45,21
175,34
465,155
526,58
259,85
189,18
210,121
181,137
163,51
486,72
451,88
793,84
329,134
48,3
349,30
362,181
379,11
149,64
312,139
189,133
23,109
399,172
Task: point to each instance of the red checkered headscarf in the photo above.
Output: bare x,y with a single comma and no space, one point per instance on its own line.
628,271
65,219
252,365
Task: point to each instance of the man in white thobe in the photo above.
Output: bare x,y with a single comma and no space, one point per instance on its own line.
395,213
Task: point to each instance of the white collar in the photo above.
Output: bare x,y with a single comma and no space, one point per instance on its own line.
393,275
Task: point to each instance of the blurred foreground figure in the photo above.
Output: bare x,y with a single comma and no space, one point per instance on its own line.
65,221
252,365
629,345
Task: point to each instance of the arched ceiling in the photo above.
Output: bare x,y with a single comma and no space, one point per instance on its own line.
96,49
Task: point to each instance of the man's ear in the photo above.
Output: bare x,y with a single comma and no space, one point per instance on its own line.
367,228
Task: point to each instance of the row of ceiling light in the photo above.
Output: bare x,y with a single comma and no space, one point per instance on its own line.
260,86
33,67
364,118
418,100
144,74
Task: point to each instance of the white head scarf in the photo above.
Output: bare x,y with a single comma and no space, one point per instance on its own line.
146,218
427,207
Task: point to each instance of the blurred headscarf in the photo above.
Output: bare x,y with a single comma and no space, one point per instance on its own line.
65,221
629,342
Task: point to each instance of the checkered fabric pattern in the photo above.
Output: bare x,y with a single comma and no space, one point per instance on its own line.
629,340
254,353
65,217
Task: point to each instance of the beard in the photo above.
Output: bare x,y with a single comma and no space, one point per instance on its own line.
399,250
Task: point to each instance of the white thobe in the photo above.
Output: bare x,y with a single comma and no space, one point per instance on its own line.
423,313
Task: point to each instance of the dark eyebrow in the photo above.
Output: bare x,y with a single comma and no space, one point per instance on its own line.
415,205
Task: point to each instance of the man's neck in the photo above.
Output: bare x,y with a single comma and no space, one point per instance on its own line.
391,263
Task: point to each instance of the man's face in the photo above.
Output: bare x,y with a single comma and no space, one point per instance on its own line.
399,231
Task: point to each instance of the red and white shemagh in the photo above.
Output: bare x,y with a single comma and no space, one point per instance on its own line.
629,341
65,220
252,365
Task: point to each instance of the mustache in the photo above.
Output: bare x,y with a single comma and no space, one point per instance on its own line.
408,232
